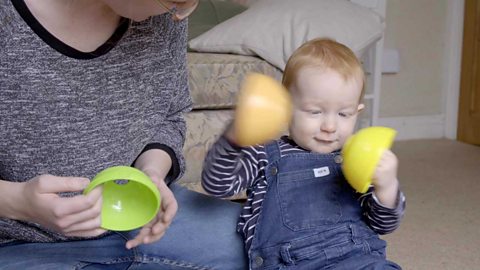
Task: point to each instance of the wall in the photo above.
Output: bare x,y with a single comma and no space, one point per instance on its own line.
420,101
414,100
417,29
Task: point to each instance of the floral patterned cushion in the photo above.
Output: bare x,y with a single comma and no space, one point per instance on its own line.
215,78
203,128
214,83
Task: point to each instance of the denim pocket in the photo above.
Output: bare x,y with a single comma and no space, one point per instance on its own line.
307,201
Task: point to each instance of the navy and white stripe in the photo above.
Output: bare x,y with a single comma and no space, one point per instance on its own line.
229,169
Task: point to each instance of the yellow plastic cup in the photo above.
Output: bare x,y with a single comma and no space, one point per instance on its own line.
362,152
263,110
129,198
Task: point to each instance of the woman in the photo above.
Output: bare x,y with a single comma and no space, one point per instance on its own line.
86,85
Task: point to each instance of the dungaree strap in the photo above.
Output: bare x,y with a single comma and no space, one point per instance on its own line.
272,150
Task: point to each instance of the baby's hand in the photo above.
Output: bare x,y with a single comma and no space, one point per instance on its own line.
230,133
385,179
386,172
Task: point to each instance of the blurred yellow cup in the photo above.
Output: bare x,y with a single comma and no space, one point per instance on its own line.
263,110
362,152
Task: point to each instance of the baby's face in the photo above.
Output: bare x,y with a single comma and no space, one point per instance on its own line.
325,109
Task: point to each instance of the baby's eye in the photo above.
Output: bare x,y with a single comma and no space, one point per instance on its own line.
315,112
344,114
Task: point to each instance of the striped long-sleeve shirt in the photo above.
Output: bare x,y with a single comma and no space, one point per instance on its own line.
230,169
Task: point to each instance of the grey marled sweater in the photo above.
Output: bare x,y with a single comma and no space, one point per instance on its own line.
74,117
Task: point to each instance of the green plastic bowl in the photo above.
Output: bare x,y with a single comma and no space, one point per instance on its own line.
362,152
130,198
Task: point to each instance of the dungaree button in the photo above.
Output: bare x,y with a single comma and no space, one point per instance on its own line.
338,159
274,170
258,261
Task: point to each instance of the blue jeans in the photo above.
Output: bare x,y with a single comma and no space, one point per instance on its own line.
202,236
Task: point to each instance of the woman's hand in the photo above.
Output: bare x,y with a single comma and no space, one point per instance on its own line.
71,216
385,179
156,163
156,228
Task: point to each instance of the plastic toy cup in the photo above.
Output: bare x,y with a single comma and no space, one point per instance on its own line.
263,110
361,154
130,198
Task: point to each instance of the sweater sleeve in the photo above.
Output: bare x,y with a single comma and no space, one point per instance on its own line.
381,219
171,130
229,169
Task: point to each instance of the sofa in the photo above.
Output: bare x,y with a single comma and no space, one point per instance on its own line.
228,41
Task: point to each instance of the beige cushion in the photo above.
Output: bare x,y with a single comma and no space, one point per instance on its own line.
273,29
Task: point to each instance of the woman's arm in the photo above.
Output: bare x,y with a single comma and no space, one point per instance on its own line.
38,201
9,192
171,127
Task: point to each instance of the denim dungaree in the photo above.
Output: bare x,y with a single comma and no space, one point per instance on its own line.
311,218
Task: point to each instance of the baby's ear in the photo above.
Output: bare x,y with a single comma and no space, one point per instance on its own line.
360,107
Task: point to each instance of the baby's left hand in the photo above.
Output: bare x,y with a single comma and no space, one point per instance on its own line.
385,179
386,172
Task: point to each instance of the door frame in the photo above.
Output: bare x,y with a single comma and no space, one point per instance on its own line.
453,60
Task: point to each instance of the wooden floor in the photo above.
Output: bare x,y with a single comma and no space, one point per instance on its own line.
441,228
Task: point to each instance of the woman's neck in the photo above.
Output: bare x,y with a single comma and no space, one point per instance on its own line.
82,24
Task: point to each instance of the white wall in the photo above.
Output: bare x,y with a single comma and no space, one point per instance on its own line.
416,28
420,101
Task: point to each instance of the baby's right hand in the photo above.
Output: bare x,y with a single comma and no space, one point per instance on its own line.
230,134
71,216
